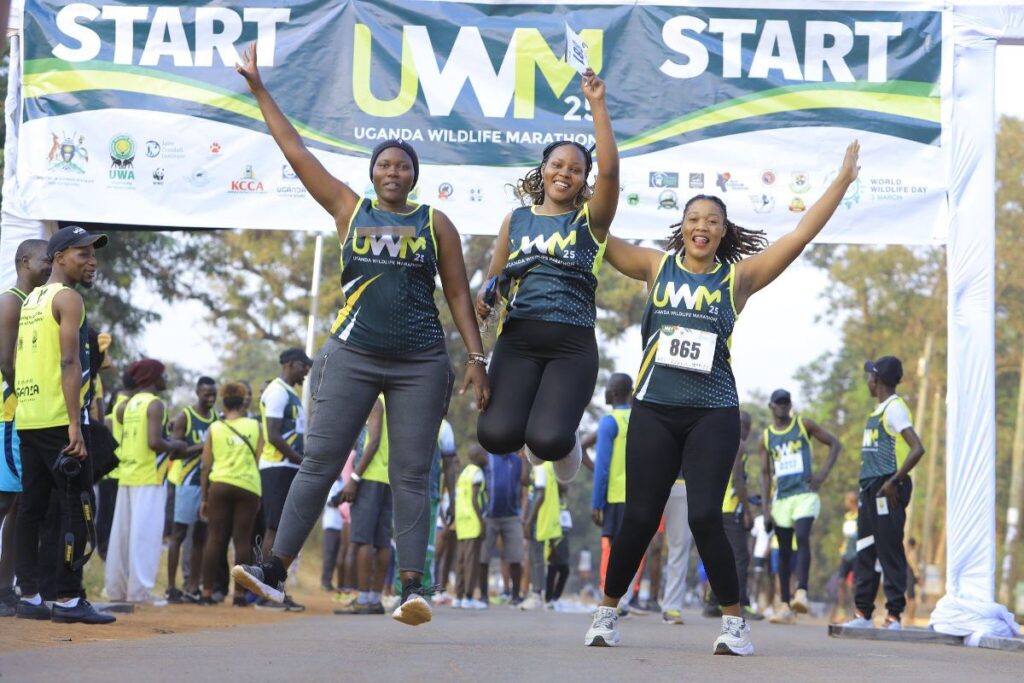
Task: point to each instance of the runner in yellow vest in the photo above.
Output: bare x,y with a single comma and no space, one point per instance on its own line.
469,529
33,269
136,538
51,381
230,487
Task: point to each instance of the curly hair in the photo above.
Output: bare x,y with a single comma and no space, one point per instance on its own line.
736,243
532,184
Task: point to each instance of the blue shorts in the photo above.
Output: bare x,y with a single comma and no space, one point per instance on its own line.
186,504
10,462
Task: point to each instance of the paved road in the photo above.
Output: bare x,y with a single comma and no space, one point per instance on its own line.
502,645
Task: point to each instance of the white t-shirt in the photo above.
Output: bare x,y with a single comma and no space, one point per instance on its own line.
274,400
897,416
332,517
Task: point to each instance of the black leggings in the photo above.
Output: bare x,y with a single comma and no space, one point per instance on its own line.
661,440
542,378
802,527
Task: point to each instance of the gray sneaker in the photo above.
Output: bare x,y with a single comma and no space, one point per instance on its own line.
735,638
602,631
859,622
253,578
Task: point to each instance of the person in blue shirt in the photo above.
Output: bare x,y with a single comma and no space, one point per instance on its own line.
504,478
609,496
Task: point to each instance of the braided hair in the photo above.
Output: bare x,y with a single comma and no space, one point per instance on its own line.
736,243
532,184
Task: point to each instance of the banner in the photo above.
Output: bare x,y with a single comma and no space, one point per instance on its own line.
133,113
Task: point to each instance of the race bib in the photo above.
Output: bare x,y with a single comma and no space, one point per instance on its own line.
686,349
789,462
882,504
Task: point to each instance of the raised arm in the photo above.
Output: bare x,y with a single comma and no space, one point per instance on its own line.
335,196
452,268
639,263
756,272
606,188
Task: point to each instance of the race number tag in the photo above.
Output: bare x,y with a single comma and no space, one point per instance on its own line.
575,51
790,461
686,349
882,504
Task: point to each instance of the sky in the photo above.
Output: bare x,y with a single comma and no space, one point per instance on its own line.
762,360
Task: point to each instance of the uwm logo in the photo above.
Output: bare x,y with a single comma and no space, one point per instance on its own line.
553,245
672,296
512,83
787,449
870,438
396,247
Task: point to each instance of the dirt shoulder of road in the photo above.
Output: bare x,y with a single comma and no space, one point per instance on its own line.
153,622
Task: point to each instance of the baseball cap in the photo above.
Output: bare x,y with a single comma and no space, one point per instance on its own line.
889,369
294,354
781,396
72,236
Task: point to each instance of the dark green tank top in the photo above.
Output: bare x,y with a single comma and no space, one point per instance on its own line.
196,427
699,301
790,451
388,266
552,267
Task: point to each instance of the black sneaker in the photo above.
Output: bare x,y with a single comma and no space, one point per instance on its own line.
239,601
174,596
265,604
413,608
82,613
292,606
356,607
7,611
206,601
192,597
261,579
26,610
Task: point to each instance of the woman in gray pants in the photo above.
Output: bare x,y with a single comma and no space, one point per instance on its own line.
387,339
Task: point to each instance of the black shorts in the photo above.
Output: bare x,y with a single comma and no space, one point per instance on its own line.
613,516
276,482
371,515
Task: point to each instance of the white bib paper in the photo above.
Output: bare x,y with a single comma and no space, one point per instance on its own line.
575,51
789,462
686,349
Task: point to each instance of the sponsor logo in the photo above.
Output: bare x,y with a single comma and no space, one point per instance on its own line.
632,199
696,181
800,182
663,179
762,203
214,149
198,178
445,191
796,205
122,158
291,186
725,182
287,173
852,195
158,176
248,182
165,149
476,194
68,153
768,178
668,200
152,148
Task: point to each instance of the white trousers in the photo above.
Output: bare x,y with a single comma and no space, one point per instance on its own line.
136,539
678,538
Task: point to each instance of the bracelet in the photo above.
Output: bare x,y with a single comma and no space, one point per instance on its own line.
476,359
355,477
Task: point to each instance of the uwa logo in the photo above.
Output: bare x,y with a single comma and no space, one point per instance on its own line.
672,295
396,247
512,83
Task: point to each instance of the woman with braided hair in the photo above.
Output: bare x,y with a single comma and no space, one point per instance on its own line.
544,365
686,415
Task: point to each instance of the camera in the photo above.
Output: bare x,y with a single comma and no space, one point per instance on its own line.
68,466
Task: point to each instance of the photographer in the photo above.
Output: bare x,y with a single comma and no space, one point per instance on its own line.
51,381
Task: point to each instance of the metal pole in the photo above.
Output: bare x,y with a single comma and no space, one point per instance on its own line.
314,297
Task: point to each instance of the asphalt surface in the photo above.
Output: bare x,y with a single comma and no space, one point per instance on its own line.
501,644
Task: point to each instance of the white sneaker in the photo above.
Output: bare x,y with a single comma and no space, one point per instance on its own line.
475,604
893,625
567,467
533,601
735,638
859,622
783,616
457,603
602,631
799,602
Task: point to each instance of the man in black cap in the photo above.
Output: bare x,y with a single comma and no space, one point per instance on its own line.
891,448
51,382
284,429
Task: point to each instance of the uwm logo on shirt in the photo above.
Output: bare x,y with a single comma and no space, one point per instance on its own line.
671,295
397,242
870,439
552,245
787,449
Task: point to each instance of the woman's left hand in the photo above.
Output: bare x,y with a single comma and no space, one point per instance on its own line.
593,86
477,376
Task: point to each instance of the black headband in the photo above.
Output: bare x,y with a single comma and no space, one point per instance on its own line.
405,147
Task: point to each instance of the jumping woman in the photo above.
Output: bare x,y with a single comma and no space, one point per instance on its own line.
386,339
544,365
686,410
